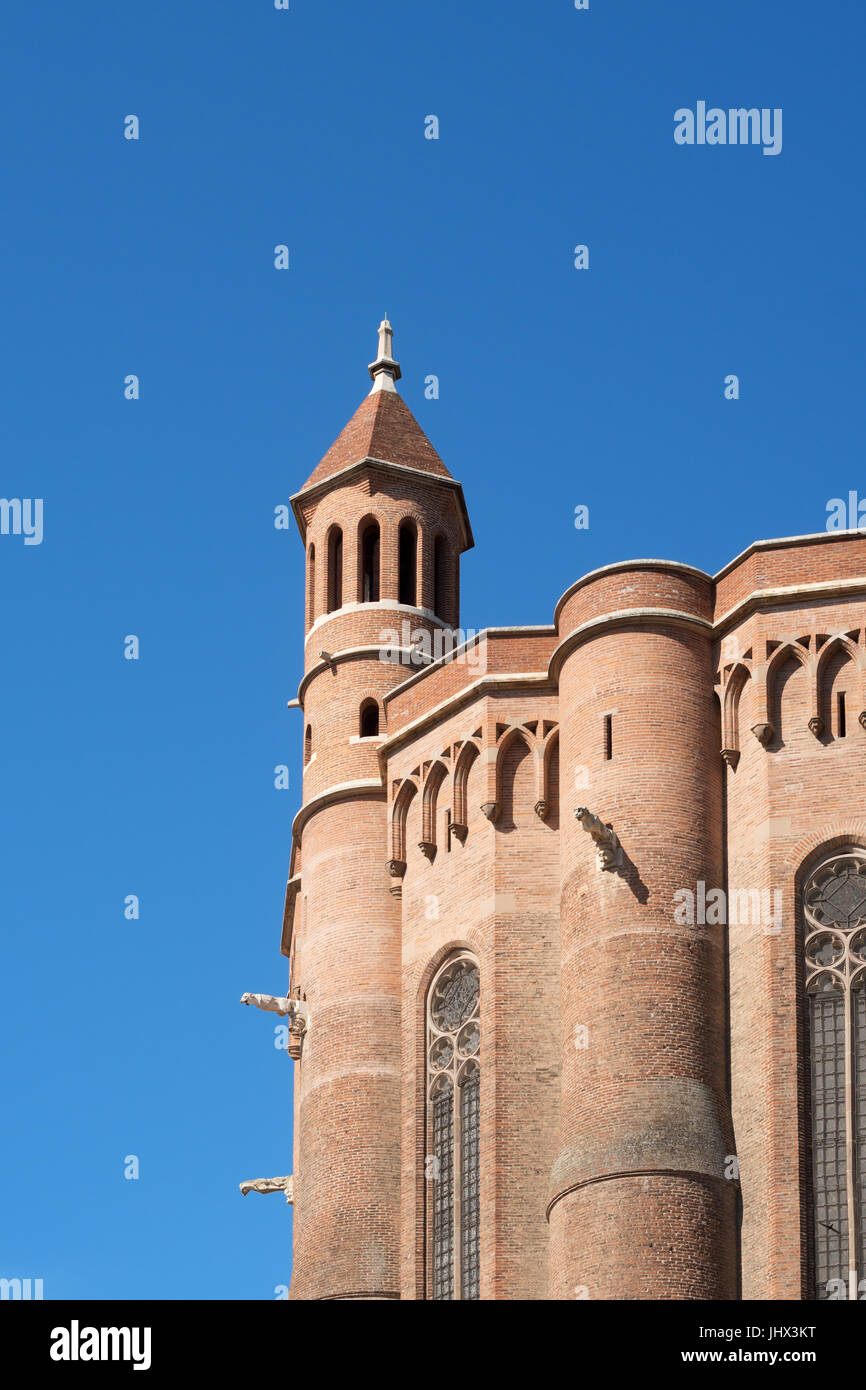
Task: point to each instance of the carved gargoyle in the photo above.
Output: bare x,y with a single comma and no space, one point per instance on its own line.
296,1009
266,1185
606,838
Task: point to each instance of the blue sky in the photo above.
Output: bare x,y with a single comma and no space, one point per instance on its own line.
558,387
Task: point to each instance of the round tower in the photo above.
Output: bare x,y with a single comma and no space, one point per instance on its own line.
383,524
644,1192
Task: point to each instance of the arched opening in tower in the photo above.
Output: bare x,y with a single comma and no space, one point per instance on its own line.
407,562
370,564
335,569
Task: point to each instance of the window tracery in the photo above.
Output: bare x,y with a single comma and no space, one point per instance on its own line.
834,904
454,1128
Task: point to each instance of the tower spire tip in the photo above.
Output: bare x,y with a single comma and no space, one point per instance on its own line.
385,371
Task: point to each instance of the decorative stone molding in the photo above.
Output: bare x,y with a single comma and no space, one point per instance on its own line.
862,718
541,809
397,870
491,810
731,756
816,725
297,1032
609,850
458,830
428,849
763,733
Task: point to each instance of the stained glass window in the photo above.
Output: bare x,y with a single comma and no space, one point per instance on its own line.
454,1130
835,924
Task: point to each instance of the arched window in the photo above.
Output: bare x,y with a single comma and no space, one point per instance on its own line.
335,569
440,575
308,743
369,719
834,909
311,586
407,546
370,563
454,1129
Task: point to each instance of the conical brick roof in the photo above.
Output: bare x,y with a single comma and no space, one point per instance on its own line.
383,427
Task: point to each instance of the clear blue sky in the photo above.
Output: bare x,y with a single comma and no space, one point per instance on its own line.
558,387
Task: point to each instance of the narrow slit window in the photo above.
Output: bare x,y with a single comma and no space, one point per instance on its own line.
840,714
311,587
407,563
440,561
335,570
370,565
608,737
308,744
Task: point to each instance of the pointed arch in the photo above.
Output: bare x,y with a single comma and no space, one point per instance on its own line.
402,801
738,677
460,822
514,748
547,805
453,1129
432,783
839,686
766,730
832,933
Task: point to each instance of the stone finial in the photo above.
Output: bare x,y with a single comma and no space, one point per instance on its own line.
385,371
609,849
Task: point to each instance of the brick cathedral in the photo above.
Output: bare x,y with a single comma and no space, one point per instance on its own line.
576,913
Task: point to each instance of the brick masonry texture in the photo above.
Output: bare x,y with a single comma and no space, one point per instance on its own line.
627,1057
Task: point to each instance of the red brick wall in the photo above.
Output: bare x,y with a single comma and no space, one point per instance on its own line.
347,1178
644,1122
784,802
602,1168
347,947
497,894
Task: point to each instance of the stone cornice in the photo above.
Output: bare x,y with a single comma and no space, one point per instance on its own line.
529,680
693,1174
782,542
620,565
524,630
837,588
367,788
353,654
386,606
344,475
626,618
